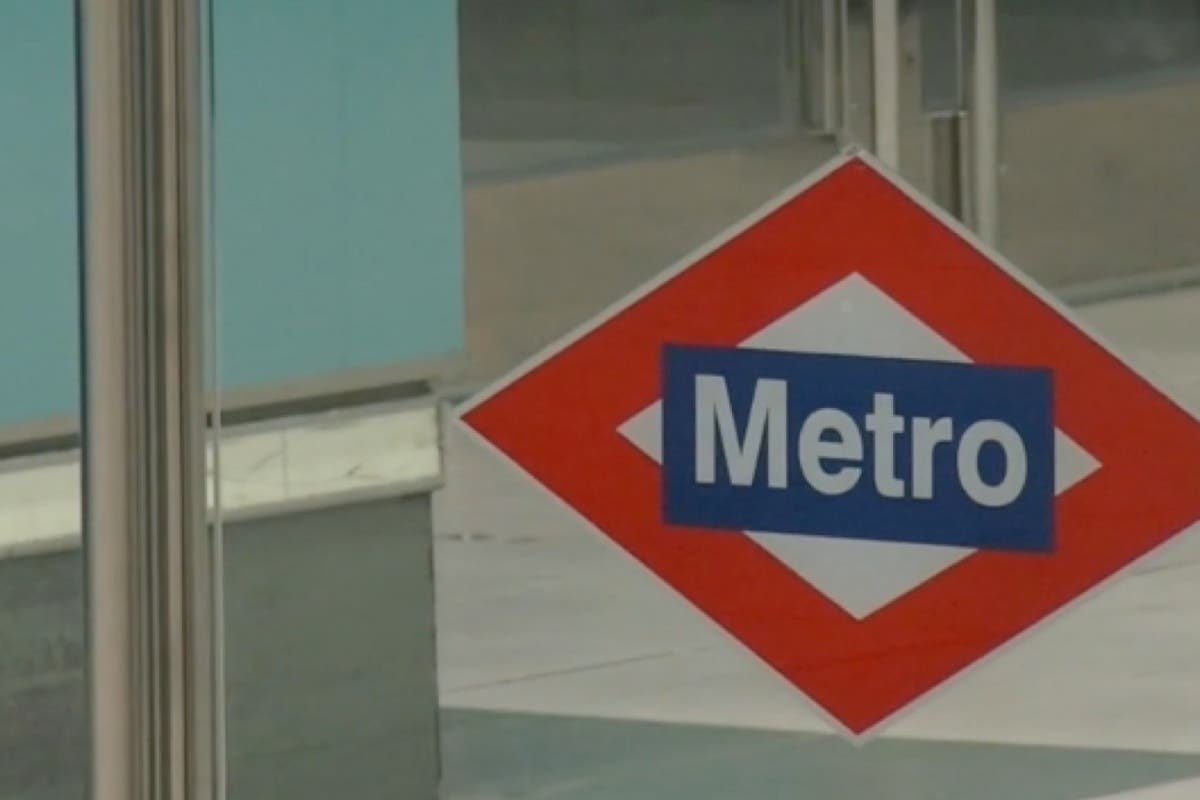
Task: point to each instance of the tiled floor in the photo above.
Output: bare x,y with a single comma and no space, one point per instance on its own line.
511,755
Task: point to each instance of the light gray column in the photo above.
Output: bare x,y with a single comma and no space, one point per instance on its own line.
856,92
885,40
985,120
143,92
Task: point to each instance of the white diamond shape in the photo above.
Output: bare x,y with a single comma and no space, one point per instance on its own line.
860,576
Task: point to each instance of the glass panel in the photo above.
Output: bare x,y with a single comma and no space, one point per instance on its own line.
566,669
548,84
604,140
600,142
338,247
1102,45
1101,109
43,727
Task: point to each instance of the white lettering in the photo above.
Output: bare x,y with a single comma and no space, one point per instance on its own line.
1016,467
884,425
814,447
830,446
767,420
927,435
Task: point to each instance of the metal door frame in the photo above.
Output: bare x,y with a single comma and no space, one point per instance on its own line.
151,571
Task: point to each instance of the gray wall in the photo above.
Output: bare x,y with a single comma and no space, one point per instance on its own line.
330,660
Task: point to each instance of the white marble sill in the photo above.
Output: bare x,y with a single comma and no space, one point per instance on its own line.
266,467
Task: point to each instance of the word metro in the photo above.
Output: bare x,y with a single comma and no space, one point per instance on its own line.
858,447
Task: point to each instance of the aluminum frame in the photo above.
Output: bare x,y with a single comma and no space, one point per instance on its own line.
151,581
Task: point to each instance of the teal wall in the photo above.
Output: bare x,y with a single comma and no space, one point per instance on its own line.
337,185
338,229
38,268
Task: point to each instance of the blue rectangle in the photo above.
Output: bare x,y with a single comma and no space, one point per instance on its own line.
857,447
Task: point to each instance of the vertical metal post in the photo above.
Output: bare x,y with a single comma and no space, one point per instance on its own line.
984,110
810,65
143,103
881,83
964,139
856,94
885,37
951,162
947,182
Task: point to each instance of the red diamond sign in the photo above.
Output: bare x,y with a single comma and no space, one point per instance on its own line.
857,440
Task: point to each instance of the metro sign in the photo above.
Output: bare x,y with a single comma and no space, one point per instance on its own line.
976,452
857,440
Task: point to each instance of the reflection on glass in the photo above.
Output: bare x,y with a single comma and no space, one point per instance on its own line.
550,82
565,670
603,140
1101,112
1072,44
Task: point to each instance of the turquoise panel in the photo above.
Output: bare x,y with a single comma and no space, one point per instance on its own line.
337,191
338,222
38,265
